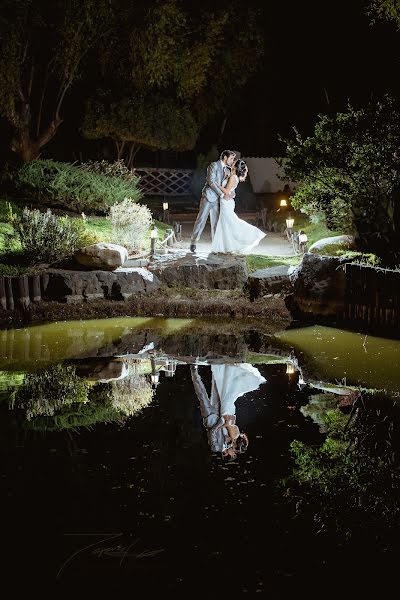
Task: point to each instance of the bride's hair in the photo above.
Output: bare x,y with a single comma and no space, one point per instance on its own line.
241,169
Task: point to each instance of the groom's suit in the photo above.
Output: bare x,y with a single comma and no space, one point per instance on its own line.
210,198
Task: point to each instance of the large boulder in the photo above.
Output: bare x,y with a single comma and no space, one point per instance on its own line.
77,286
336,242
222,272
102,256
271,280
319,286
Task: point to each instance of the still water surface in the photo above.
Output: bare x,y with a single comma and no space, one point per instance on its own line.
112,456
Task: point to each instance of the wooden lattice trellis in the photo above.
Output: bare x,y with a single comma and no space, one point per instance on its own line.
165,182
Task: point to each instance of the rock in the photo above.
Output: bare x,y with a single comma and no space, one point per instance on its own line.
318,288
221,272
77,286
267,282
103,256
102,372
343,242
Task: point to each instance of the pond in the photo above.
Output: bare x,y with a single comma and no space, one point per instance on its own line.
118,470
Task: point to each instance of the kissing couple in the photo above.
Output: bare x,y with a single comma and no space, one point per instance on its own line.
229,234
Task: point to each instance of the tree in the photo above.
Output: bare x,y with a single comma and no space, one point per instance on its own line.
154,122
177,65
385,9
42,50
350,173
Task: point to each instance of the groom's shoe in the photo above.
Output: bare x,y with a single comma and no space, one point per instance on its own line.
192,247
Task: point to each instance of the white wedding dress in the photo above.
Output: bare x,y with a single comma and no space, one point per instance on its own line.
233,235
233,381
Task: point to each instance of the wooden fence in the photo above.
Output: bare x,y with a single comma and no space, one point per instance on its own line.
165,182
21,290
372,298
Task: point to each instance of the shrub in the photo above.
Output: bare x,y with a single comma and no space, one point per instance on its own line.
72,187
130,224
116,169
45,237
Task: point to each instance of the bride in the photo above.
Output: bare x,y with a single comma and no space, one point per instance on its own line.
233,234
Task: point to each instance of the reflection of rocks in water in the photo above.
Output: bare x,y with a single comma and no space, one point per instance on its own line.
182,345
317,408
206,346
102,371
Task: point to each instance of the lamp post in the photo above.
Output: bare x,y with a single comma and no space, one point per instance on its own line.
165,212
170,367
303,239
153,238
154,377
290,369
289,228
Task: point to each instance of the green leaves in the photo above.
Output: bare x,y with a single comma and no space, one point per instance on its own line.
350,170
152,121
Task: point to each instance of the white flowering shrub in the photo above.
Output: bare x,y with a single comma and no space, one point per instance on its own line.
130,224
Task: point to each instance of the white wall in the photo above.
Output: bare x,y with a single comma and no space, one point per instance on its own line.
263,173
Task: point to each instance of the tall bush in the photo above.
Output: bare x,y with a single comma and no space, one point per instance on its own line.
130,224
72,187
45,237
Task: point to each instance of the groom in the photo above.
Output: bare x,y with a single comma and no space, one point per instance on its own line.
210,195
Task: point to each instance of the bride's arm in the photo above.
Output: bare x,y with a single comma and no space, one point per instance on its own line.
229,186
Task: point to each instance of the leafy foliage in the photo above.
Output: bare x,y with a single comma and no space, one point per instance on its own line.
46,237
350,172
181,64
385,9
44,393
43,47
72,187
151,121
130,224
351,482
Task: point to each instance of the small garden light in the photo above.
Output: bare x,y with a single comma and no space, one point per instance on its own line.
283,202
154,377
290,369
165,212
289,224
153,237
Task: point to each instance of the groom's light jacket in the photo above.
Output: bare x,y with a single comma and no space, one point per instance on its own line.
215,173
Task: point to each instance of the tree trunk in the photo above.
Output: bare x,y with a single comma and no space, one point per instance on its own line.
27,147
23,145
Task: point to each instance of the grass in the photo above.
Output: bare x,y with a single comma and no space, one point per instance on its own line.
255,262
12,260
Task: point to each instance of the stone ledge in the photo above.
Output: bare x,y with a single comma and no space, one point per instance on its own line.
267,281
78,286
222,272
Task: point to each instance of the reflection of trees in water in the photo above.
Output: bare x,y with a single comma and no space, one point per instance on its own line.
351,484
133,393
47,392
57,398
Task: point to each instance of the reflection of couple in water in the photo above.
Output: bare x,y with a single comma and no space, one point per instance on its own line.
229,382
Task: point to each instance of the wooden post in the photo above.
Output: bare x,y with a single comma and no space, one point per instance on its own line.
22,291
9,293
3,298
35,288
44,282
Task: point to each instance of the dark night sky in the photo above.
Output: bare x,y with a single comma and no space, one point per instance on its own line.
311,47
